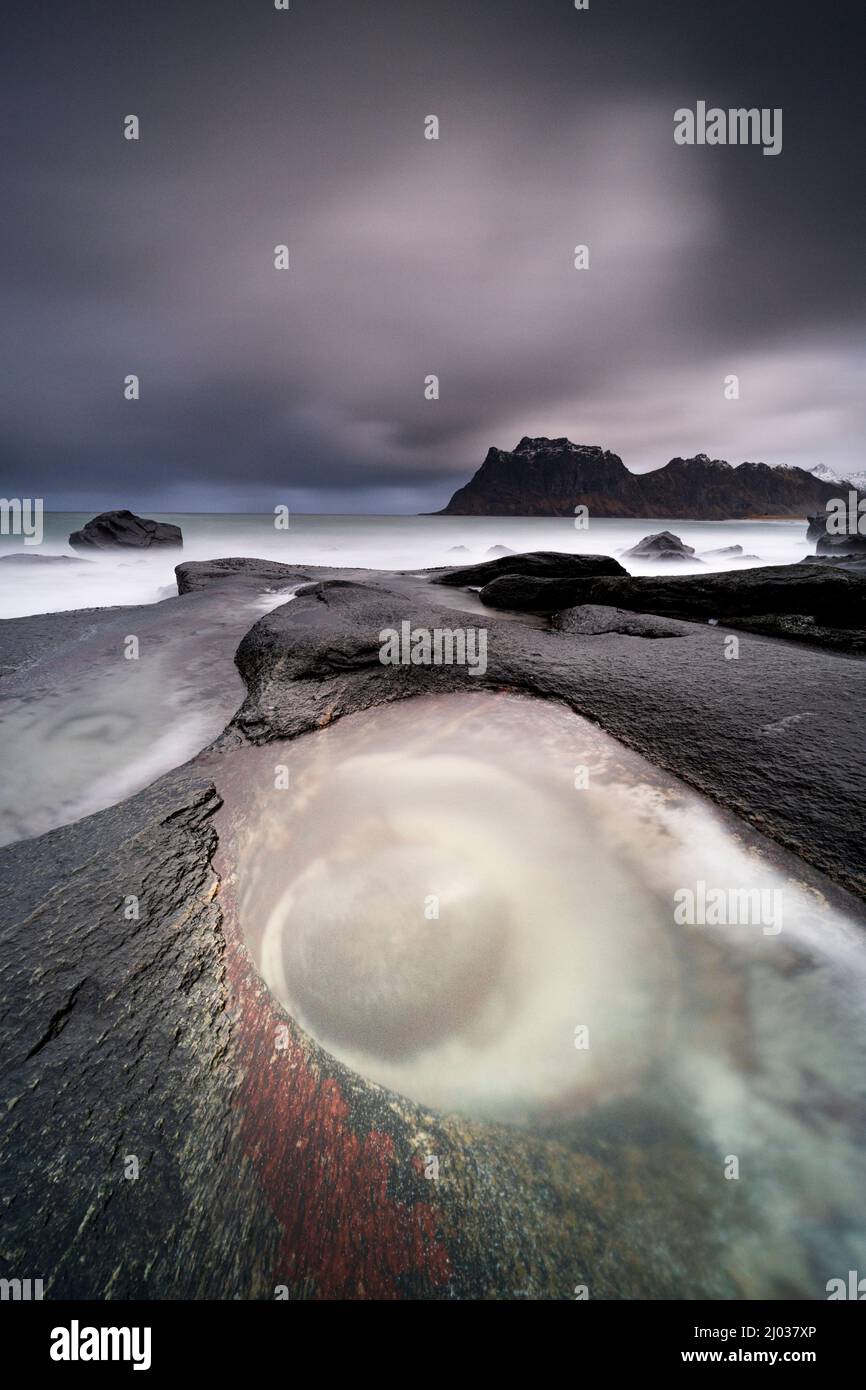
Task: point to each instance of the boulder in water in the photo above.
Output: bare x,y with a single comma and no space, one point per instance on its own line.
127,531
664,545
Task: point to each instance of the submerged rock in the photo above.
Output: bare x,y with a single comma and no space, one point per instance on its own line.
125,529
25,557
725,550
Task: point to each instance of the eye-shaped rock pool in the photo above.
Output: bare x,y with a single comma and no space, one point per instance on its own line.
487,905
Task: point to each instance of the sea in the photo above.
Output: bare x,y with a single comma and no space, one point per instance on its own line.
120,577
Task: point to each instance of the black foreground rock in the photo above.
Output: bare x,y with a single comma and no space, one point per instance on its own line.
547,564
125,529
829,603
154,1037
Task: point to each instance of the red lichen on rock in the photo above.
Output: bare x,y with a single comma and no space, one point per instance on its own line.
328,1178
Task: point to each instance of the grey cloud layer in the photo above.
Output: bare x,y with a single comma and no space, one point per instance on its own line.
411,257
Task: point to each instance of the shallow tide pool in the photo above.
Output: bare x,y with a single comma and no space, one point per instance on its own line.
487,905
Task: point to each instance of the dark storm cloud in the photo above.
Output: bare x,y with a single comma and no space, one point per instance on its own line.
412,257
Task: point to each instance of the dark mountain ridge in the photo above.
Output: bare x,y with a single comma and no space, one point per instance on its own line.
550,477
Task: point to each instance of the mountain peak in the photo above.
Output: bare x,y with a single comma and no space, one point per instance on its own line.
551,477
528,445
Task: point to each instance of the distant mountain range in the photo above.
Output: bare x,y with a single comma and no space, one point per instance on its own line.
550,477
826,475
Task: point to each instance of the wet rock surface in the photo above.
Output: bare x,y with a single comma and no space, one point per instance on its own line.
803,602
152,1035
590,620
680,702
194,575
524,594
543,564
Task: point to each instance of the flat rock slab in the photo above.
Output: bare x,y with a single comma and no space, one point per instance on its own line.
593,621
148,1035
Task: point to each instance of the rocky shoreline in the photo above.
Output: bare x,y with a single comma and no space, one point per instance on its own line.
153,1035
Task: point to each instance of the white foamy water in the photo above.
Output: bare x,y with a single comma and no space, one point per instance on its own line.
435,901
388,542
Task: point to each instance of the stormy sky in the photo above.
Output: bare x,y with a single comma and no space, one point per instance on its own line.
410,257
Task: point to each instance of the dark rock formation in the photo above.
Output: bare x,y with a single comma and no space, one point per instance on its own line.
830,542
125,529
732,550
497,550
851,562
153,1036
550,477
194,575
550,564
664,545
593,621
841,545
523,593
821,599
317,658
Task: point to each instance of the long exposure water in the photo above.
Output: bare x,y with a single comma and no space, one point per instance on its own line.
490,906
